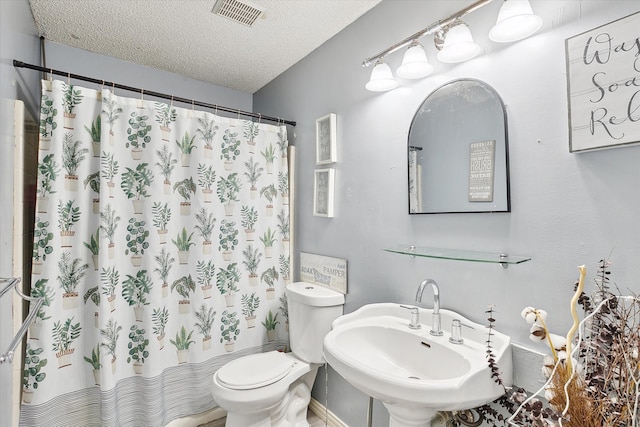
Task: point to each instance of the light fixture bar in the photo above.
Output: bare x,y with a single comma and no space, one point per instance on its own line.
431,29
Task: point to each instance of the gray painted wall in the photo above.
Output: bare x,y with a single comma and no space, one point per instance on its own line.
98,66
567,209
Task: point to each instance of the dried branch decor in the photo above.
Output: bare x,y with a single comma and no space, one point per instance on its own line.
593,381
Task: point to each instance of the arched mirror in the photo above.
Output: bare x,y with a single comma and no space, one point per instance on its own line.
458,152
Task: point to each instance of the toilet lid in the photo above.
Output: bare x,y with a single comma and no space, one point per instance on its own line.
256,370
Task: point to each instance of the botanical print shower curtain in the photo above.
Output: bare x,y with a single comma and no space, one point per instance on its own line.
415,186
161,251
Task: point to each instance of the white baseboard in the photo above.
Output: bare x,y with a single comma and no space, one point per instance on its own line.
198,419
327,416
206,417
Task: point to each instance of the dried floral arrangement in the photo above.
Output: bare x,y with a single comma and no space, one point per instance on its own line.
593,379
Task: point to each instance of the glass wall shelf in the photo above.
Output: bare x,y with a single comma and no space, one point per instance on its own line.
504,260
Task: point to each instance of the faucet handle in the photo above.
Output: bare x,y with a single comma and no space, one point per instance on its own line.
415,317
456,331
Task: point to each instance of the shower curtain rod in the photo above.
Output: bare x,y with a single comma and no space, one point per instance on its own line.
20,64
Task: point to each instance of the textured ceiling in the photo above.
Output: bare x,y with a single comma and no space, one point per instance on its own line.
184,37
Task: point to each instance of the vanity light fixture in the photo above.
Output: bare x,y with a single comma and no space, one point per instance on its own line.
381,78
415,64
454,41
516,21
458,44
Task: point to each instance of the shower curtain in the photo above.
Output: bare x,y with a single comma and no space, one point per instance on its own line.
415,179
161,250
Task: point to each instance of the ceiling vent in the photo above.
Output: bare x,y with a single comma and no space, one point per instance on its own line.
239,11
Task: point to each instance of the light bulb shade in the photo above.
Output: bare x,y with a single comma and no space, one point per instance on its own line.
458,45
516,21
415,64
381,78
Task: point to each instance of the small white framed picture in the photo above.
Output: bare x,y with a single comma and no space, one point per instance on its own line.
323,188
326,139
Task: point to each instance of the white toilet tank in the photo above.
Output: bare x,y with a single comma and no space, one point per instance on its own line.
312,308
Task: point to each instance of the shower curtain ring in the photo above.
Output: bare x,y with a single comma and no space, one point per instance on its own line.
259,118
216,112
193,105
171,105
50,74
141,94
69,79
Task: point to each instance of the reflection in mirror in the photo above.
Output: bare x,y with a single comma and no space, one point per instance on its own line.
458,153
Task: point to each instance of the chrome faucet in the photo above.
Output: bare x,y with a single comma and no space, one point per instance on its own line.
436,328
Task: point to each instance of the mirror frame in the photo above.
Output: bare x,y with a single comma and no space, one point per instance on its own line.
506,149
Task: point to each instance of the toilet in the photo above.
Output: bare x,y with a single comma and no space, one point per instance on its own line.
273,389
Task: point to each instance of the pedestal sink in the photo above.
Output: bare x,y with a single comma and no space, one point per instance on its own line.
413,373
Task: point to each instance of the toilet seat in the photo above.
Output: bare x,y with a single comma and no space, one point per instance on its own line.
254,371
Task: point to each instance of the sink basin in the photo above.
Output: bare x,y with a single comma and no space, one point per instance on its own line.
412,372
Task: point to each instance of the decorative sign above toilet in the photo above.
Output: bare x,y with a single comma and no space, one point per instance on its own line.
604,86
323,270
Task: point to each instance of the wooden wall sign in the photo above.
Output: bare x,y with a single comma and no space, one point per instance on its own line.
603,81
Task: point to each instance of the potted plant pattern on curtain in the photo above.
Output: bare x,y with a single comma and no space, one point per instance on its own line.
177,242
